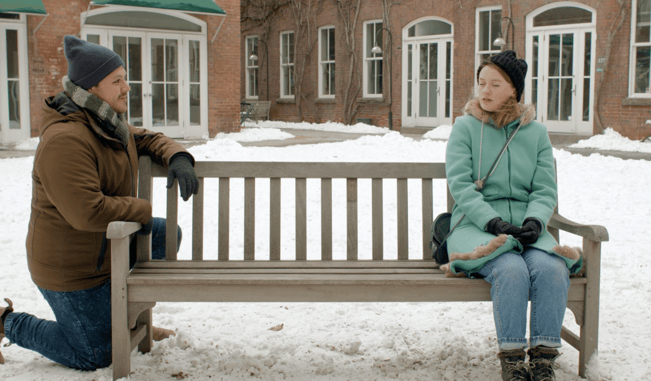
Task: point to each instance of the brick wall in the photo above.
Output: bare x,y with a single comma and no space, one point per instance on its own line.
47,63
613,108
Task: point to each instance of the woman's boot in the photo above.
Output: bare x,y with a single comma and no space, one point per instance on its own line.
513,366
4,311
541,362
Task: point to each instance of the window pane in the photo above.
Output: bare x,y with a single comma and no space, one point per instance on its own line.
291,48
566,100
484,30
93,38
409,88
554,55
331,44
563,16
567,55
552,99
423,99
13,90
643,21
380,76
586,99
370,79
496,25
642,67
157,59
12,54
447,98
195,105
433,61
195,61
135,105
433,99
431,27
120,47
135,59
587,52
158,104
410,63
424,69
535,49
172,59
253,82
172,105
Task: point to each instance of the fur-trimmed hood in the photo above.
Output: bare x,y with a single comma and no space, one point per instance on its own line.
528,112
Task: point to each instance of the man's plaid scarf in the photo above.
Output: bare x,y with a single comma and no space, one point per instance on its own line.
114,124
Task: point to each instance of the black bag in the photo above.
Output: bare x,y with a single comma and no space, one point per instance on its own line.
438,243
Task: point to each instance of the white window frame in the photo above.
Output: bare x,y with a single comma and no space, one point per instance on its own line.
373,59
251,65
325,62
478,52
188,130
632,59
7,134
289,64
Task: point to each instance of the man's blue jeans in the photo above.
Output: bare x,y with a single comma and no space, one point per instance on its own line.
80,337
517,278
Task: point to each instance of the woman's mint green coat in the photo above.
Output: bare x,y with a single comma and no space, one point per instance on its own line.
523,185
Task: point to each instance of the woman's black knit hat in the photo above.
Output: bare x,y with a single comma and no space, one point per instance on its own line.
514,67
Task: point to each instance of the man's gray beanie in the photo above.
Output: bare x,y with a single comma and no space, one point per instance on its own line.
88,63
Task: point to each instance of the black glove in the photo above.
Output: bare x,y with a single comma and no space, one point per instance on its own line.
146,228
498,226
531,229
181,169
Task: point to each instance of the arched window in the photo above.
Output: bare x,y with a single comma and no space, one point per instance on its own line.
429,28
563,16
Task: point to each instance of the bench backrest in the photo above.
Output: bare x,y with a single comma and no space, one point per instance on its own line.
261,109
274,172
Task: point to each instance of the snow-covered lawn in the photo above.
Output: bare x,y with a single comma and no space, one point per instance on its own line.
361,341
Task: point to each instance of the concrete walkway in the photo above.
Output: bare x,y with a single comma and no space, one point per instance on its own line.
315,137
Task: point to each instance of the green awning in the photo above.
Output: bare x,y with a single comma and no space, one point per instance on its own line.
34,7
193,6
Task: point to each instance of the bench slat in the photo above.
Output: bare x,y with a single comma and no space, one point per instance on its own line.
428,216
224,219
171,235
326,219
378,219
180,264
274,219
197,222
351,225
403,220
301,219
331,170
249,219
145,191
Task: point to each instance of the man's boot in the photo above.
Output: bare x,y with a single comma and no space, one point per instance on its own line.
513,366
158,334
4,311
541,362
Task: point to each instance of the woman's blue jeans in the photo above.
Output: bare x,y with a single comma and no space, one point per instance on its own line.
80,337
517,278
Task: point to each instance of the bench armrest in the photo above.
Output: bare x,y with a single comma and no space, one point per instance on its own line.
595,233
121,229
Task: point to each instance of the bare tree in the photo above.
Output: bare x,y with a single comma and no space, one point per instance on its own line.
349,13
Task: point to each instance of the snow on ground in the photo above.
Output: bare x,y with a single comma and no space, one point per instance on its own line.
612,140
359,341
255,135
359,128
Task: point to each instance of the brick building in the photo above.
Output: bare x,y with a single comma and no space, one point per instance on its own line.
589,61
180,60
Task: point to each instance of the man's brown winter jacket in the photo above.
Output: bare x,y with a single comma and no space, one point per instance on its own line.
83,179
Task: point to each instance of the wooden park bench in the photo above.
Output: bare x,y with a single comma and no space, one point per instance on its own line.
389,276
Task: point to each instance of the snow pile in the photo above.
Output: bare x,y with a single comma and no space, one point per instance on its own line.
612,140
440,132
359,128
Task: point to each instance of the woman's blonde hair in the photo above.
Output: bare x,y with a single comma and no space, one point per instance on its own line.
511,109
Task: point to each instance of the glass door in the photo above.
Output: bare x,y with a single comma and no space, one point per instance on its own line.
14,112
428,83
164,85
130,48
561,79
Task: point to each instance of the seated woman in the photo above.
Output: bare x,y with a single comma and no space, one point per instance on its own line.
500,171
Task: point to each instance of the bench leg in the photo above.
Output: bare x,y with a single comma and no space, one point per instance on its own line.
589,343
147,342
121,334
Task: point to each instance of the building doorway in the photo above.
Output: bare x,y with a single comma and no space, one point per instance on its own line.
427,73
14,90
560,50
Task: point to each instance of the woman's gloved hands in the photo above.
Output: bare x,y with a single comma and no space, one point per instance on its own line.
526,235
498,226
